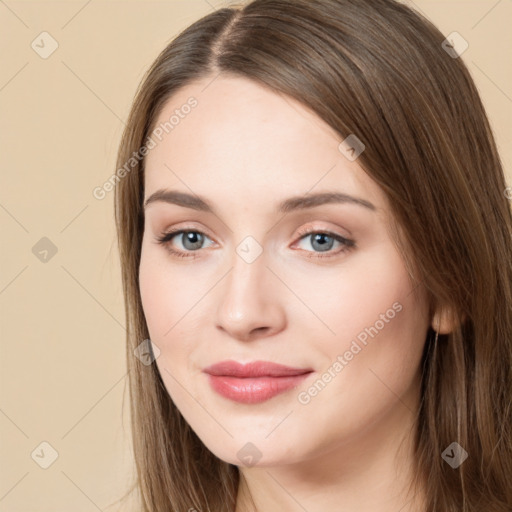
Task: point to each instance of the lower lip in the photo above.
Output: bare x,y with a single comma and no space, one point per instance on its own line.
253,390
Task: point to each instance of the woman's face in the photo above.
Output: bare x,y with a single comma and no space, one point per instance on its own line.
252,285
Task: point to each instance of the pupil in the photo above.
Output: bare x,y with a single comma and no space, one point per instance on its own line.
322,244
190,238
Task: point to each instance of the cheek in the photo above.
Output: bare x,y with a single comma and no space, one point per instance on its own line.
391,334
152,296
373,358
167,299
171,304
159,294
355,295
376,318
165,290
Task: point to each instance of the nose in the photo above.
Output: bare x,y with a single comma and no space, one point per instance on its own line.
250,302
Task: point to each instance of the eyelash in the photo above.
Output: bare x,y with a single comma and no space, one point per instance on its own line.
348,244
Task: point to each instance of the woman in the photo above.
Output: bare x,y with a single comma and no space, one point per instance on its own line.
315,246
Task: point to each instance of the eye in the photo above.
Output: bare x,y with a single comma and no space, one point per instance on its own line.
192,240
324,241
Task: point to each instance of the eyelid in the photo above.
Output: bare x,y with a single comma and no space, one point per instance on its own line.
187,228
312,229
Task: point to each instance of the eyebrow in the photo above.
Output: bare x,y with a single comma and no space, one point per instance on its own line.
291,204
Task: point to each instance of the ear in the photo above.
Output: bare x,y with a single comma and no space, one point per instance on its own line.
444,320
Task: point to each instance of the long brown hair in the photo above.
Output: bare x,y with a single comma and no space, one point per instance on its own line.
379,70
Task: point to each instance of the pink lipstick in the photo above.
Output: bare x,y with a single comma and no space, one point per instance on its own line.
254,382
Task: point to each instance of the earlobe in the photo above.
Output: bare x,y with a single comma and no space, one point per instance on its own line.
444,320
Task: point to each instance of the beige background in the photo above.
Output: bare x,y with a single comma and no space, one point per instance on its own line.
63,373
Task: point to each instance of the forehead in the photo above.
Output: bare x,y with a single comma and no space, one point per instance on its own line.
242,138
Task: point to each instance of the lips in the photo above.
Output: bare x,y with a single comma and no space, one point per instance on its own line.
254,369
253,382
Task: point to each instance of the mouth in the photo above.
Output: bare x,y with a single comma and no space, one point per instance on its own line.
254,369
254,382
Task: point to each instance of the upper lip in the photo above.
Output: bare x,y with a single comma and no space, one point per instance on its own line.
254,369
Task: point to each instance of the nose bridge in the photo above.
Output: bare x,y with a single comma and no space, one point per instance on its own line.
248,298
249,259
248,279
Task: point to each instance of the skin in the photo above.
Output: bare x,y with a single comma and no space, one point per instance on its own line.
245,148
